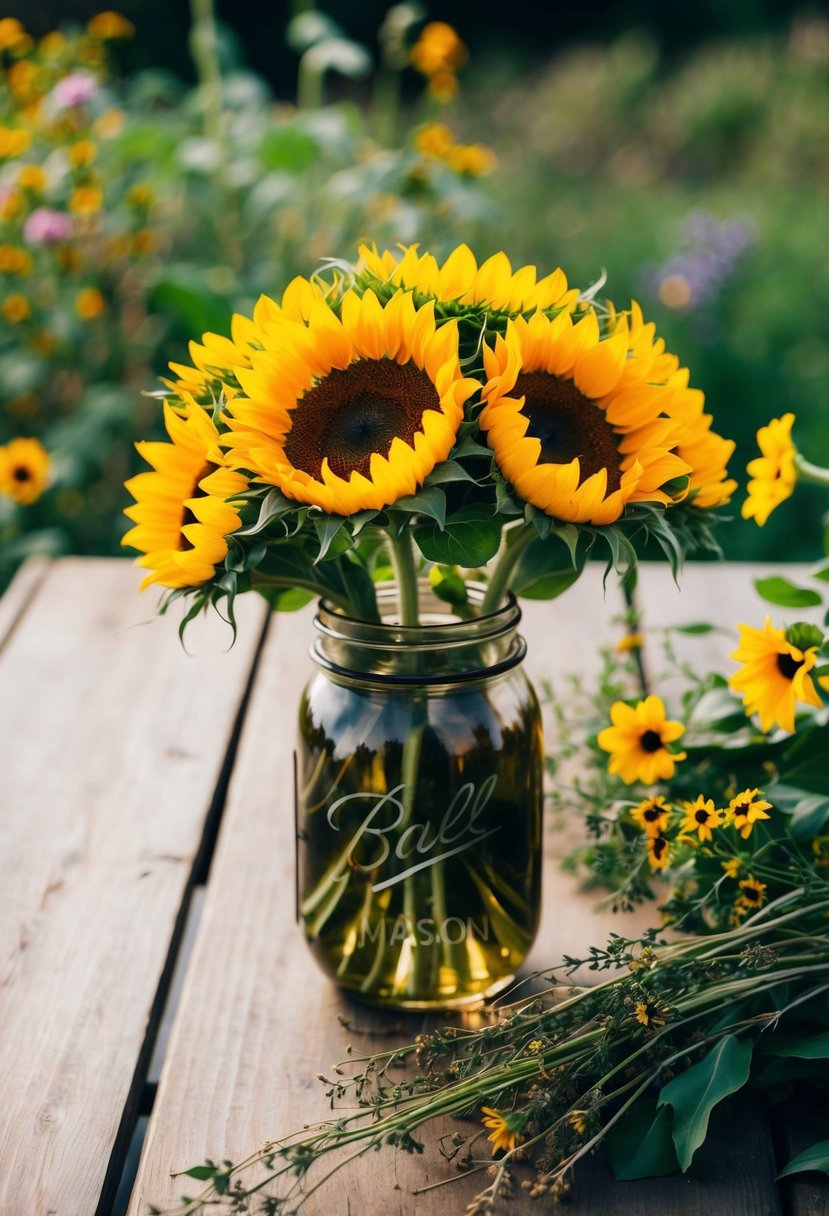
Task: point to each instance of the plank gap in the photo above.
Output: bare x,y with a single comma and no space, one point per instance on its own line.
127,1179
197,877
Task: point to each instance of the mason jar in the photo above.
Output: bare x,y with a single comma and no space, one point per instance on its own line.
419,802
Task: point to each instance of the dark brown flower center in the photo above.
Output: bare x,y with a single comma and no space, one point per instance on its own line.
187,516
21,473
568,425
788,666
701,816
742,808
353,412
659,845
651,814
751,895
650,741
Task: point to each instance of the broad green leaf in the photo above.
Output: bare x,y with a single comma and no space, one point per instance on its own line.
470,538
640,1145
431,502
541,574
694,1093
814,1158
809,816
448,584
287,149
271,507
447,470
810,1047
333,536
780,591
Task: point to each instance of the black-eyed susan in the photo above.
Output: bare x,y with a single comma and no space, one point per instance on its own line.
774,675
351,412
651,1012
659,851
638,741
752,894
183,509
573,433
732,867
701,818
773,474
24,470
652,815
745,810
506,1128
460,280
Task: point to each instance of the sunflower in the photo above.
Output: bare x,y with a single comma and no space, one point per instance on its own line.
351,413
181,513
506,1129
773,475
638,740
746,809
701,817
24,470
774,675
461,281
573,432
651,815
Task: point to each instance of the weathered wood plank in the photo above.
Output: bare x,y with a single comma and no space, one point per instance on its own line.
114,742
803,1121
20,591
257,1021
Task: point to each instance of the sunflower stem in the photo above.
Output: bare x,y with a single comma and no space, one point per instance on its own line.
403,563
512,548
812,473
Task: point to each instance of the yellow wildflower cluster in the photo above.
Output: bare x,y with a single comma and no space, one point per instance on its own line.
668,827
435,141
438,54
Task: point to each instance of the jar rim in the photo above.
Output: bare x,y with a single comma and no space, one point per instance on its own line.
450,631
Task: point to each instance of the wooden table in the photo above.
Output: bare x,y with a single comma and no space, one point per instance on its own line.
154,985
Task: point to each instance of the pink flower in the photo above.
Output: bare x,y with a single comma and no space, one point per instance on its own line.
47,227
74,89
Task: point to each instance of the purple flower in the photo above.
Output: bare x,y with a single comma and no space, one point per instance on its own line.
47,227
74,90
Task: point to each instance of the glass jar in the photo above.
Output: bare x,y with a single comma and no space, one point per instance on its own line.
419,803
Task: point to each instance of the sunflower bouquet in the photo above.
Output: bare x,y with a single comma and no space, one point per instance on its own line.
408,415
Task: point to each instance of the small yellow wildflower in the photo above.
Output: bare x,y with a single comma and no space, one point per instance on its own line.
534,1046
774,675
108,26
12,34
443,86
11,205
631,641
732,867
109,124
14,260
143,242
52,45
752,894
16,308
434,139
24,470
471,160
577,1121
652,815
745,810
89,303
658,852
651,1012
31,177
438,50
701,817
13,142
82,153
773,474
140,195
505,1129
638,741
86,200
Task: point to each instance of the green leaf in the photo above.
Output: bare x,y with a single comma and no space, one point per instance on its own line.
694,1093
780,591
328,528
808,817
202,1172
431,502
803,635
812,1047
640,1145
287,149
814,1158
804,761
448,584
540,574
271,507
470,538
694,628
447,470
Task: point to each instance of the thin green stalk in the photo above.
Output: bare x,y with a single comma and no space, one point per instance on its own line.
812,473
324,592
514,542
403,563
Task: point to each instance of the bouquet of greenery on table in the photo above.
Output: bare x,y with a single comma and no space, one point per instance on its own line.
723,814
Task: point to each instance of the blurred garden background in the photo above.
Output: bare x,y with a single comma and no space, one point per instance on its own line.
163,165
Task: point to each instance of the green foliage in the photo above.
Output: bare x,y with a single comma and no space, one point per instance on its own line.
694,1094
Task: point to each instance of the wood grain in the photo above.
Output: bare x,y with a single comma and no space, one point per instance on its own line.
114,741
801,1122
17,595
258,1022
